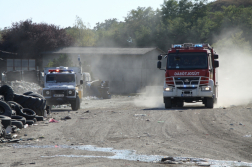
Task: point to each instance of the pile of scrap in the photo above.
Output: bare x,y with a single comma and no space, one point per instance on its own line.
18,110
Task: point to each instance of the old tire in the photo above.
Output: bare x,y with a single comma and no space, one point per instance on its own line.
27,113
209,102
168,103
27,93
7,92
39,118
19,118
2,130
76,104
6,121
37,104
34,120
29,122
18,124
5,109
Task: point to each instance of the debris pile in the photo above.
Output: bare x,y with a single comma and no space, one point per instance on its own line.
17,111
21,87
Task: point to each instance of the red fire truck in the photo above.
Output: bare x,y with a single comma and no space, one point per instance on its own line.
190,75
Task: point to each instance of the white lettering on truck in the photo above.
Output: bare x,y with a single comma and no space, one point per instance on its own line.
186,73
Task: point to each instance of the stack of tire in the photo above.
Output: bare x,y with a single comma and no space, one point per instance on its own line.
19,110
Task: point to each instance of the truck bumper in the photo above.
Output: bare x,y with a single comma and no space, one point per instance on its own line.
59,100
184,93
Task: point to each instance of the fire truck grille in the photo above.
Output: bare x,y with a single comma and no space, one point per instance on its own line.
59,92
186,80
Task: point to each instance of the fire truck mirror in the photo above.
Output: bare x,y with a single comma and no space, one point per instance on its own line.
159,57
159,64
81,82
216,56
216,63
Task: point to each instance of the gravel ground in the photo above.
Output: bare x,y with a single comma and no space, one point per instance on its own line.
104,133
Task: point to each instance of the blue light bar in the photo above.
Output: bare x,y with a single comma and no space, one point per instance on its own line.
177,46
198,45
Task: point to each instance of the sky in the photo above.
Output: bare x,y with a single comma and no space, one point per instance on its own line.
63,12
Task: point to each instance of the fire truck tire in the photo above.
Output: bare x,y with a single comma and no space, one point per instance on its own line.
76,104
106,95
168,103
5,109
209,102
7,92
180,103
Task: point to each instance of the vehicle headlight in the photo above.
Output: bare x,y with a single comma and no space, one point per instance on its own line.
47,92
168,89
206,88
70,92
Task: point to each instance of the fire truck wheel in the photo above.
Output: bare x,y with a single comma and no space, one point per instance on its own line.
209,102
76,104
180,103
106,95
168,103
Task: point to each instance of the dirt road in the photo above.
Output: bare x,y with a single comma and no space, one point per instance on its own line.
104,133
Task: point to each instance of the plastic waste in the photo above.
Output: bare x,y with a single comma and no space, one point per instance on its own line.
53,120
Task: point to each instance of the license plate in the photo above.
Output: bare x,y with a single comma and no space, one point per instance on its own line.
186,95
58,95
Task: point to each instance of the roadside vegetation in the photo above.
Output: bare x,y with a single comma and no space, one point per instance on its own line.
174,22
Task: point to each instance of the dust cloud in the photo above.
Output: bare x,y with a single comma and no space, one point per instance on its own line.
234,76
151,97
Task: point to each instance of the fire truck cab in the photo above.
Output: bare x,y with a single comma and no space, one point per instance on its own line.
190,75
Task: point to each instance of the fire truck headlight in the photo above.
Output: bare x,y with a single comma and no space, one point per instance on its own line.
70,92
206,88
47,92
168,89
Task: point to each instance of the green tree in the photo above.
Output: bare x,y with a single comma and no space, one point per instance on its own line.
62,60
81,33
111,33
28,37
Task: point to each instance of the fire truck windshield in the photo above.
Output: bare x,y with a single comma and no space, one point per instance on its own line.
187,61
57,78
